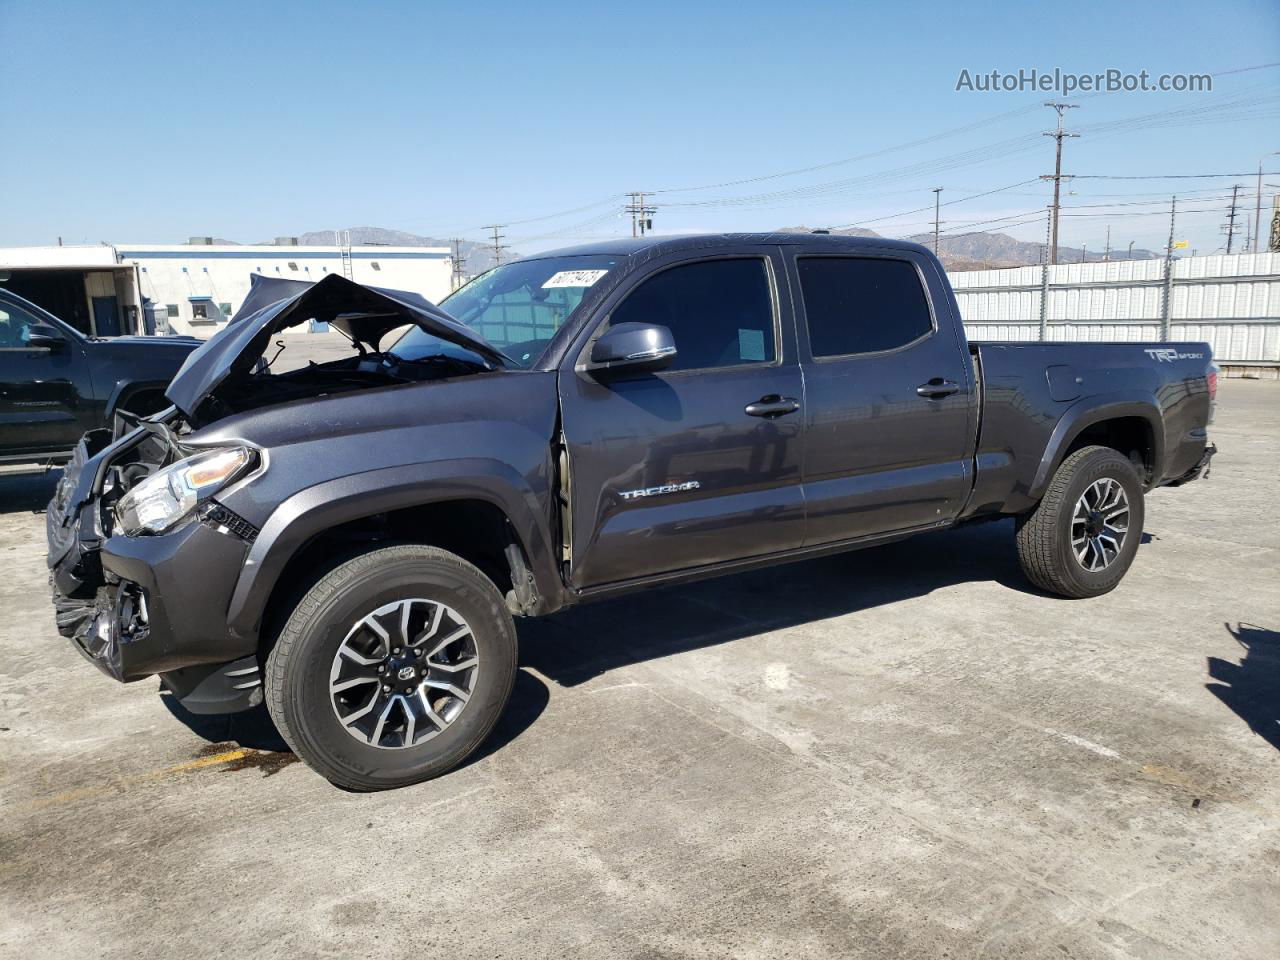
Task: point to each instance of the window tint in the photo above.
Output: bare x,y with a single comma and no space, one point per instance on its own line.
720,312
860,305
15,325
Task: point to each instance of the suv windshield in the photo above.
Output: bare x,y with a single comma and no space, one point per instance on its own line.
517,307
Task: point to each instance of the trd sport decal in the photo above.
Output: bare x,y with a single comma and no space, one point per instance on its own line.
658,491
1168,355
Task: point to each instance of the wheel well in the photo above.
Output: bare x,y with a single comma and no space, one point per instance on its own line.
1131,436
475,530
143,401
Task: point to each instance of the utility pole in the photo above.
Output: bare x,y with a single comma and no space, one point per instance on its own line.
1084,252
457,261
1166,305
1231,217
641,214
1044,280
1056,176
937,198
1106,255
497,244
1257,211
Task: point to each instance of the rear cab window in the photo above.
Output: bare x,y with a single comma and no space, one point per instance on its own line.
857,305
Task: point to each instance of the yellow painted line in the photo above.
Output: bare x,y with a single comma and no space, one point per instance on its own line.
217,758
82,793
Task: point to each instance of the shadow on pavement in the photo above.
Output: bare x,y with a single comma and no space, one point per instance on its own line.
28,492
583,642
1251,688
254,729
249,728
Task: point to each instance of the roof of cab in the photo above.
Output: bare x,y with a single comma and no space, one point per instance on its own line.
656,245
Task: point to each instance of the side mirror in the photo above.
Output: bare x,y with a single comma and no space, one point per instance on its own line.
41,336
633,347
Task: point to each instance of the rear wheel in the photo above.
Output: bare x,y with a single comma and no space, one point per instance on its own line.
1081,538
393,668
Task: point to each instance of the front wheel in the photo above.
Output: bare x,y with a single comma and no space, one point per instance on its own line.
392,668
1081,538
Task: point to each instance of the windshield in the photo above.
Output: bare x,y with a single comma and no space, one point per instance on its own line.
517,307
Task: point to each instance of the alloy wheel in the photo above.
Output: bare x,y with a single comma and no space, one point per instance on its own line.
1099,524
404,673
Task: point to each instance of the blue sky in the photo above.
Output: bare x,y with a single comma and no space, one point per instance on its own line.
156,121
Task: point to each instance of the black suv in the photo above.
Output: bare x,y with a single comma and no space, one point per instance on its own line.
56,383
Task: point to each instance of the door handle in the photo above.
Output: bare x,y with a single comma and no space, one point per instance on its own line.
772,406
937,388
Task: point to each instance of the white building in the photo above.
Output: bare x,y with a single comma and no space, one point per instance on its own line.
100,289
198,286
87,286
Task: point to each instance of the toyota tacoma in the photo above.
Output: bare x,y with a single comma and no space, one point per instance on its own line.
350,540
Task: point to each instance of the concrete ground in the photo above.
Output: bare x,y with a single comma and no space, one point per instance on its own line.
903,752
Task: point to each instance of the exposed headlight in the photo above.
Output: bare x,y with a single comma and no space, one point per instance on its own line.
168,496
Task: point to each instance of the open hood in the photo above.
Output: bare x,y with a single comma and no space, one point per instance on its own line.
364,314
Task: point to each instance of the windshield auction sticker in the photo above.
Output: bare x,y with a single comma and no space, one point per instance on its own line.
573,278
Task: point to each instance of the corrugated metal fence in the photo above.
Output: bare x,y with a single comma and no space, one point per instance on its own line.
1233,302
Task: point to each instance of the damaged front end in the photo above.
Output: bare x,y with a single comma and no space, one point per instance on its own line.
144,551
94,606
139,591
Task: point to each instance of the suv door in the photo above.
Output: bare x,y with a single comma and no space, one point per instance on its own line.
668,471
890,401
40,388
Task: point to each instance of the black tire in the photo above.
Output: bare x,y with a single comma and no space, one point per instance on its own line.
298,666
1044,536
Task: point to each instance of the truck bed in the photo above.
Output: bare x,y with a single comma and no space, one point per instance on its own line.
1033,394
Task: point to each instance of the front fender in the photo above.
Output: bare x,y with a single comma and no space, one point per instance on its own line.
352,497
1091,410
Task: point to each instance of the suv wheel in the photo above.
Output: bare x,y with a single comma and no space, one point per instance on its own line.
392,668
1081,538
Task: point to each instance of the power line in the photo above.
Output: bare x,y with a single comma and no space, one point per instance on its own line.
1167,176
904,213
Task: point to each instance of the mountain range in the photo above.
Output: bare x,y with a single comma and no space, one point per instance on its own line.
986,251
973,251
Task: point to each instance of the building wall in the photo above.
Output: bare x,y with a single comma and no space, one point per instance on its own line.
1232,302
66,280
184,278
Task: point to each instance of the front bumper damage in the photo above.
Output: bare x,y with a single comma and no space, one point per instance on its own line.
135,607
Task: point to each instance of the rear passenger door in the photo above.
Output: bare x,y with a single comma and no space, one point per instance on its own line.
891,407
668,470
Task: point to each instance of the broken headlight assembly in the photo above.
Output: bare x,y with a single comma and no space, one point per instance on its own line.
169,496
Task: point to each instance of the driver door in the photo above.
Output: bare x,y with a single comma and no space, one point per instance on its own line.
669,470
40,402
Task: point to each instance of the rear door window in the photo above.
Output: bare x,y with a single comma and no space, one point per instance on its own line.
862,304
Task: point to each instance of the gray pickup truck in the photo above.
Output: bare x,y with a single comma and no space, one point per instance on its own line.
350,540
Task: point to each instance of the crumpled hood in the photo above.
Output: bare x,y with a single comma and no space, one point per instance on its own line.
365,314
